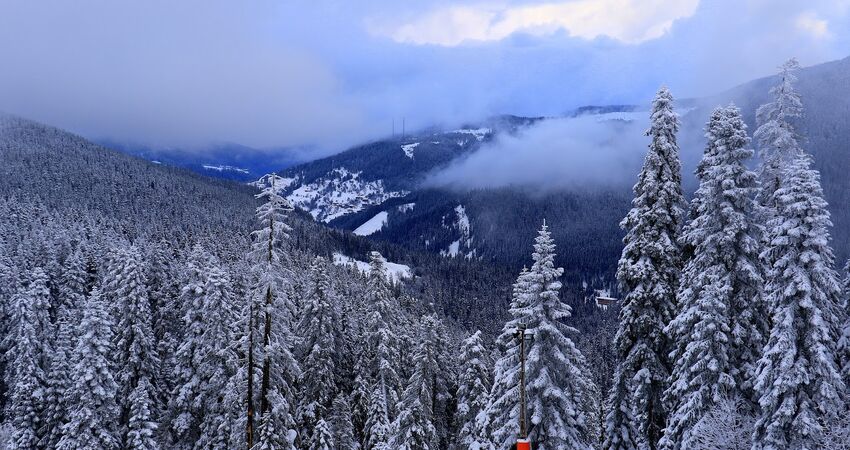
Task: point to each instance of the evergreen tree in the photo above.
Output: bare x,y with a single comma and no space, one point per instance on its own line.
28,355
321,437
377,431
341,424
843,350
798,382
93,418
414,429
473,387
270,309
59,376
136,359
648,273
558,387
775,135
205,360
502,413
721,323
141,429
383,351
320,323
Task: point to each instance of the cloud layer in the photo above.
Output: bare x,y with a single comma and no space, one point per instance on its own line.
332,73
629,21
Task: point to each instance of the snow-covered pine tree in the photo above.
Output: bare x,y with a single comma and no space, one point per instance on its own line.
558,387
383,350
648,273
473,387
93,411
775,136
141,428
205,360
319,349
28,355
136,358
414,428
321,437
269,311
799,384
377,428
341,424
558,384
843,350
720,324
60,374
502,412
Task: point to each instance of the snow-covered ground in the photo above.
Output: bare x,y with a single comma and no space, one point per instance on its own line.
220,168
339,193
372,225
282,183
395,272
408,149
406,207
462,225
478,133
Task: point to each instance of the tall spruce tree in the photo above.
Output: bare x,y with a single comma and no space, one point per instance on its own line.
269,338
721,324
776,137
384,353
798,381
319,349
648,273
93,418
558,386
843,351
136,359
502,412
473,387
28,356
205,360
341,424
414,429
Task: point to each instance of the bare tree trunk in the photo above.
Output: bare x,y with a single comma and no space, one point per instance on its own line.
264,389
249,430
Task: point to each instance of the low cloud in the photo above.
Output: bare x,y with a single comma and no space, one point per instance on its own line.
586,152
554,154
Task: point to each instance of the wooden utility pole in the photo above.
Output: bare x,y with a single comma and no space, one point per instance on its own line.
522,438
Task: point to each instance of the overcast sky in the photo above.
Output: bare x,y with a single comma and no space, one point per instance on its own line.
335,72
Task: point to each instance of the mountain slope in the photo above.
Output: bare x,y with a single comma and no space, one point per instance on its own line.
385,177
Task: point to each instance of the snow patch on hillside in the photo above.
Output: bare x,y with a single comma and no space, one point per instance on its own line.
478,133
220,168
408,149
281,185
372,225
395,272
406,207
462,225
339,193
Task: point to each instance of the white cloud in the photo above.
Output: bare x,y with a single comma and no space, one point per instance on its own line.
809,22
629,21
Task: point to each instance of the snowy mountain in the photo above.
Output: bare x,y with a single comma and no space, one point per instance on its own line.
366,187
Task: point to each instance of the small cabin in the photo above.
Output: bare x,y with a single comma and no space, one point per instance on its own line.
604,299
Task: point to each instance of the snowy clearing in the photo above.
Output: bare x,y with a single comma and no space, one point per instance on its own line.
372,225
395,272
408,149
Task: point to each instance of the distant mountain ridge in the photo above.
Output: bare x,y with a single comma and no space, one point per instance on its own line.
501,220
